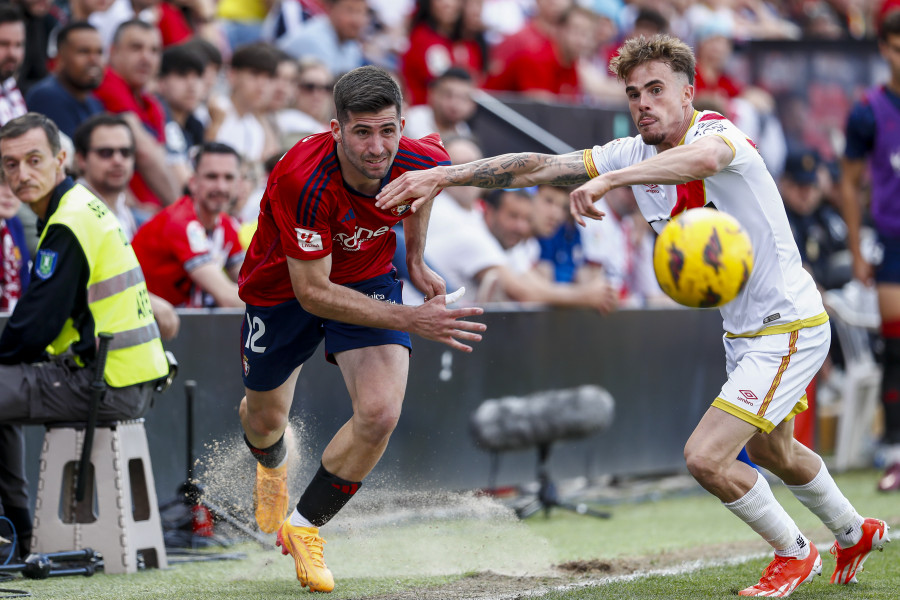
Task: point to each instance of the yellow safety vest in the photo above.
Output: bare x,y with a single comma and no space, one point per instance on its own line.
117,294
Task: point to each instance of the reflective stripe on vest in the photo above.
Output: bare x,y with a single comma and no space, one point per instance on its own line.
117,295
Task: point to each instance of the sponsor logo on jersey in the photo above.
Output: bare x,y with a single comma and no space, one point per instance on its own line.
360,236
771,318
308,241
651,188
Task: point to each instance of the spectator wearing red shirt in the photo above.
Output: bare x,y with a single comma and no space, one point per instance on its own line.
436,44
133,62
186,250
537,32
714,50
549,70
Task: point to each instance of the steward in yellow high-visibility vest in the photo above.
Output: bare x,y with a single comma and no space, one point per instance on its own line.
85,280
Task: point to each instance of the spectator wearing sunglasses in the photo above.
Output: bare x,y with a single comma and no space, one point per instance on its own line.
315,87
104,156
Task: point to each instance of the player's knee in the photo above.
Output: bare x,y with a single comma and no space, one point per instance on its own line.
263,420
377,423
702,467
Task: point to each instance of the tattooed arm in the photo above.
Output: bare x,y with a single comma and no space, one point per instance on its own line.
505,171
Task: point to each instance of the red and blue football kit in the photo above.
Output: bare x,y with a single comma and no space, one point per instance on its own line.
308,212
173,243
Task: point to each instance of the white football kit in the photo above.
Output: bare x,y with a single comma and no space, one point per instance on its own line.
777,334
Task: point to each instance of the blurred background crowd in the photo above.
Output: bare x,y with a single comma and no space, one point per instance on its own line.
257,76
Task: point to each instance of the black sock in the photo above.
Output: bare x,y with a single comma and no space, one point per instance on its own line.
325,495
890,390
269,457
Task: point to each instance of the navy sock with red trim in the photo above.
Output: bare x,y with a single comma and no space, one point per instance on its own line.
325,495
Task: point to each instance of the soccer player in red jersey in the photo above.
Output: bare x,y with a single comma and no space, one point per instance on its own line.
319,267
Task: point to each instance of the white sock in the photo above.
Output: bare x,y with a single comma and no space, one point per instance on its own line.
759,509
298,520
283,461
825,500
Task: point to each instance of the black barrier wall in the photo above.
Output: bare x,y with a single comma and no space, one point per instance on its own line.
662,367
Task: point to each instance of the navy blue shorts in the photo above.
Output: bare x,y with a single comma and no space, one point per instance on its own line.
277,339
889,269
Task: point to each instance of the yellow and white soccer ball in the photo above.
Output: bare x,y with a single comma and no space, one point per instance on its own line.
703,258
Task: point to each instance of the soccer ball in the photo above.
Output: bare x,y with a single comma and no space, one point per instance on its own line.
703,258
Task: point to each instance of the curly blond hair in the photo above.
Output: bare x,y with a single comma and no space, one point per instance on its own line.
661,47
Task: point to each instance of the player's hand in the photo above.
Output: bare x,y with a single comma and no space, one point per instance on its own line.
581,201
418,186
434,321
426,280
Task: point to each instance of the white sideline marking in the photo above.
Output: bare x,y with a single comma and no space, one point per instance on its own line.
687,567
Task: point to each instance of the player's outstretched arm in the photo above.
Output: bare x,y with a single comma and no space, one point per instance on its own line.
504,171
697,160
432,320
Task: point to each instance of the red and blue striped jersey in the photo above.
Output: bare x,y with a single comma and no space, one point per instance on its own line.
308,212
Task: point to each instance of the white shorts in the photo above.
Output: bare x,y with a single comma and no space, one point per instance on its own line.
768,374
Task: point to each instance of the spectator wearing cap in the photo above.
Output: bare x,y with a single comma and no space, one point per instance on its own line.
334,37
818,228
66,96
236,120
450,106
133,63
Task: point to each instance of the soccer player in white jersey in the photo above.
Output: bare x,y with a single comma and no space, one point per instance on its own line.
777,334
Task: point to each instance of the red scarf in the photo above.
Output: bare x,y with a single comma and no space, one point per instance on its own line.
10,263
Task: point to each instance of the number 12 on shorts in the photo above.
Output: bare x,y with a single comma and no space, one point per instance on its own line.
255,330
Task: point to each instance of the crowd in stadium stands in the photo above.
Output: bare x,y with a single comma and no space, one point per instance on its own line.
257,76
174,111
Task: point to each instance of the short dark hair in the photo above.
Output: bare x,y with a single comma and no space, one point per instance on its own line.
214,148
494,198
890,25
81,139
23,124
258,56
366,89
117,36
181,60
205,48
63,36
652,17
11,13
452,74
